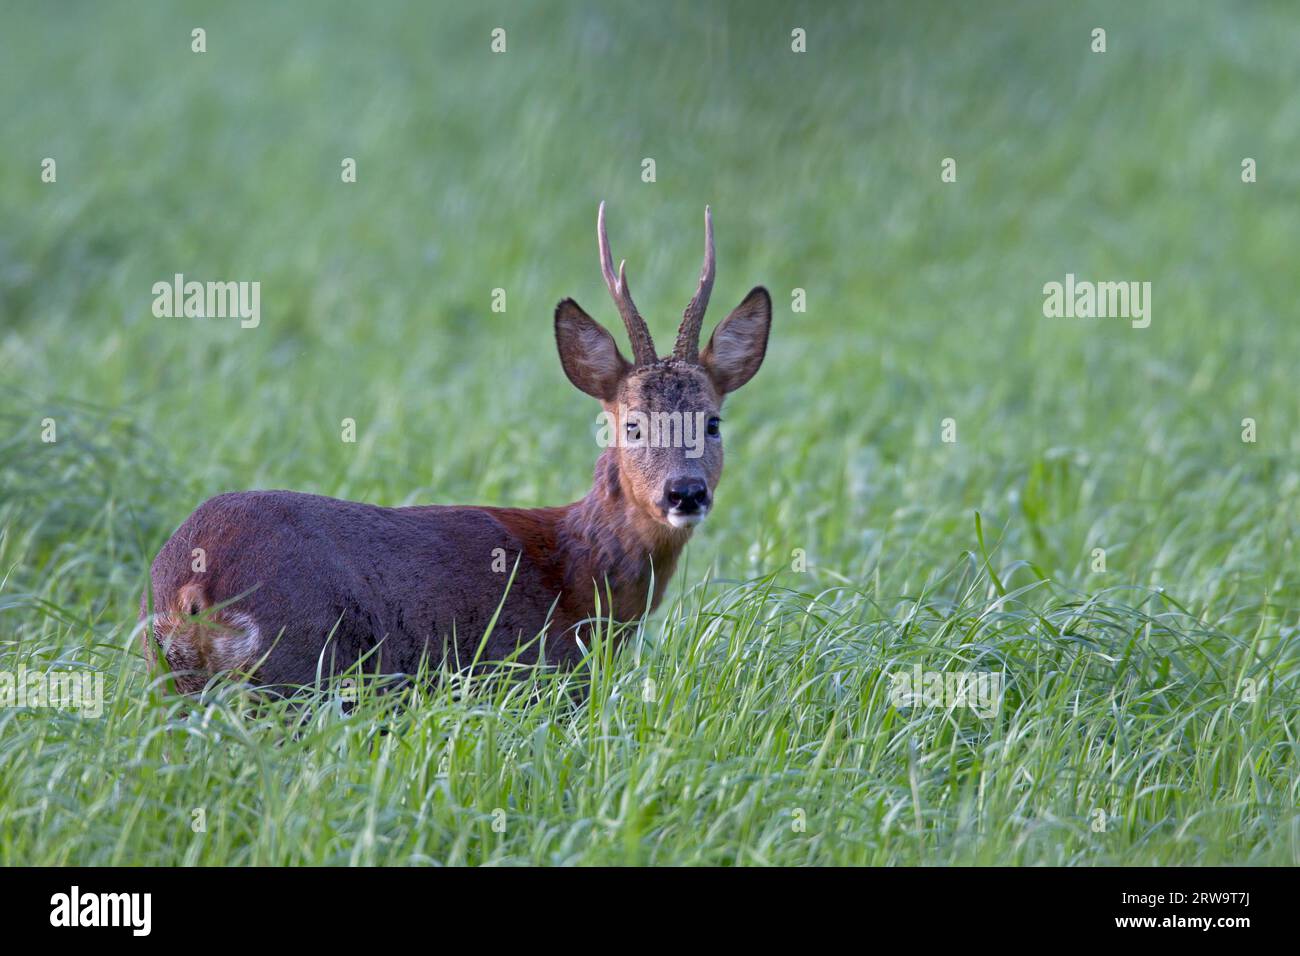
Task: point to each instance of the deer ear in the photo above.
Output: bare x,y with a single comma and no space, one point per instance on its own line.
590,356
738,344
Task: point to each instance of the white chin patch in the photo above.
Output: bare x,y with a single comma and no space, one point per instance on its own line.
678,520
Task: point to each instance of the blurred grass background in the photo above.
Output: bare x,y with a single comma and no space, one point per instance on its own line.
478,171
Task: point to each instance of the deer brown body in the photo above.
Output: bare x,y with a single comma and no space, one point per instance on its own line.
292,585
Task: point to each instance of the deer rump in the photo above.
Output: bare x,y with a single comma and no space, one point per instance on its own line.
293,585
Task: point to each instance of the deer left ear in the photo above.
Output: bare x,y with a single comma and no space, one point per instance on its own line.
588,353
738,344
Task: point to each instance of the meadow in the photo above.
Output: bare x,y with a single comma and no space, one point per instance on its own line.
928,475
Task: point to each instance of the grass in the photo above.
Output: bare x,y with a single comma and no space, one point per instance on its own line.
1160,691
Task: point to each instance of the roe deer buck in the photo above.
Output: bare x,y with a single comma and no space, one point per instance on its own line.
295,581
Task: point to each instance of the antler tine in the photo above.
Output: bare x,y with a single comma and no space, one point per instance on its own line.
688,335
643,347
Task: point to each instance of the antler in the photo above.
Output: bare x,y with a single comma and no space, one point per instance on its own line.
643,347
688,335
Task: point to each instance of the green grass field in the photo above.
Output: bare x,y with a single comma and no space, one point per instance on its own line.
1149,713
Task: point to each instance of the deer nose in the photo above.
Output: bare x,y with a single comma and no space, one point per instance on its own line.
687,495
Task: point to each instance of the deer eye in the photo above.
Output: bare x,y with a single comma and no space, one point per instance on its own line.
633,431
715,426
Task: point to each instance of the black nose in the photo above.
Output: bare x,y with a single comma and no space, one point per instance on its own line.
687,494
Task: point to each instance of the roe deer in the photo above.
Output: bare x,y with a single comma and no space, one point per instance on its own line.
292,582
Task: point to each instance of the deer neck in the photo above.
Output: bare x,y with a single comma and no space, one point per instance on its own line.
611,542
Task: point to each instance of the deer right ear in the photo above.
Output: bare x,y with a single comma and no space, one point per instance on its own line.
589,354
739,343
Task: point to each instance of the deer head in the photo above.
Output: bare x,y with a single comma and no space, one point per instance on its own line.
663,413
